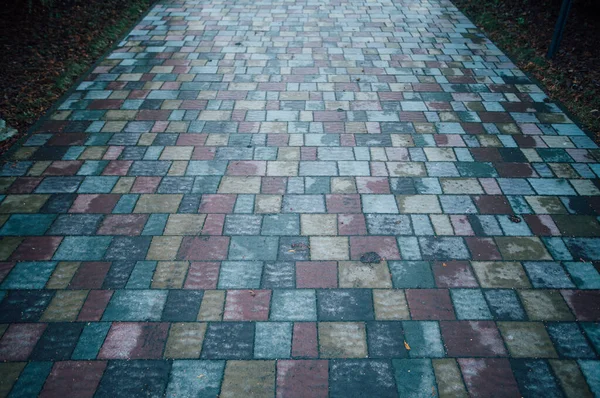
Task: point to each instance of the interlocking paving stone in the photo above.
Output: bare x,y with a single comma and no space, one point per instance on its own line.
197,209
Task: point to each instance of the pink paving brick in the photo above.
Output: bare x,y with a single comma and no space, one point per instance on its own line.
351,224
94,305
202,275
316,274
63,168
472,339
483,248
461,225
37,248
90,275
145,184
73,379
123,224
488,377
304,341
430,304
19,340
205,248
5,268
585,304
274,185
453,274
113,152
191,139
385,246
372,185
217,203
247,305
134,340
302,378
117,168
94,203
343,203
213,225
24,185
203,153
247,168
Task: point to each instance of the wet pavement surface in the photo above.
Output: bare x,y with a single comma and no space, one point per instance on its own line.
302,198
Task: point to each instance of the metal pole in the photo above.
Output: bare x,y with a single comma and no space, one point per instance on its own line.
559,28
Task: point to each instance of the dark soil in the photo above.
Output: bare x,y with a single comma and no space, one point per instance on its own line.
47,44
523,28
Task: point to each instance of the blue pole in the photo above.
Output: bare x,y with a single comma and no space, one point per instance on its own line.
559,28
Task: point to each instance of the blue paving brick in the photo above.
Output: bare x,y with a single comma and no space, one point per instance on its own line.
469,304
240,275
273,340
27,224
90,341
569,340
414,378
135,305
29,275
548,275
31,380
411,274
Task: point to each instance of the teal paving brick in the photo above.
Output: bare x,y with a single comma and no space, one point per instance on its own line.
82,248
386,339
535,378
583,275
253,248
591,371
59,185
361,378
345,305
231,340
583,248
27,224
511,228
126,204
244,204
90,341
409,248
435,248
549,186
278,274
195,378
547,275
557,248
97,184
411,274
29,275
155,225
592,331
281,224
240,275
293,305
569,340
141,276
505,305
242,224
414,378
31,380
424,339
135,305
273,340
469,304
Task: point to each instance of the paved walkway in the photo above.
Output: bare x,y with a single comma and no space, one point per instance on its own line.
191,220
